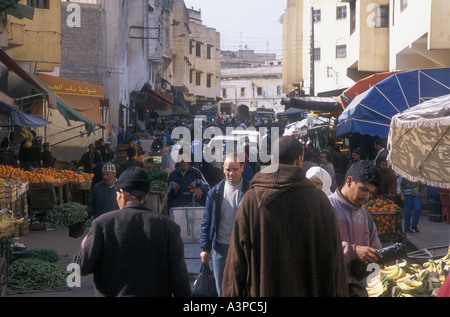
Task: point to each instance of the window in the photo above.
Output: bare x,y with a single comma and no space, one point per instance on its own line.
191,46
341,12
209,51
224,93
39,4
191,76
259,91
316,15
198,49
317,54
381,16
198,78
278,90
208,80
243,92
341,51
352,17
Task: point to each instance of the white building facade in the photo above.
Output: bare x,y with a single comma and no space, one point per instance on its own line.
250,88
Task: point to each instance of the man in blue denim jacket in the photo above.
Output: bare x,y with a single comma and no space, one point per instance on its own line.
222,204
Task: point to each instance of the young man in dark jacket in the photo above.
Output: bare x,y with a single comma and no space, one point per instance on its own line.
222,203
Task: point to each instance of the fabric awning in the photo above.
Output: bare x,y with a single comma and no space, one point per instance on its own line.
14,67
20,118
371,112
54,102
347,96
18,10
157,100
83,97
320,104
66,110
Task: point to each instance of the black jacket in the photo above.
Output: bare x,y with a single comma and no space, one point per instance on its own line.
135,252
211,216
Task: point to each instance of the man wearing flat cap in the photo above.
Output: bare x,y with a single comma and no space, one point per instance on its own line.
134,251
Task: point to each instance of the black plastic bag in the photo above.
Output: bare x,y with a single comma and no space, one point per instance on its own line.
77,229
205,284
392,253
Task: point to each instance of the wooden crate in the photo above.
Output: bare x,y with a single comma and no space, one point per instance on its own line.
42,198
38,226
11,193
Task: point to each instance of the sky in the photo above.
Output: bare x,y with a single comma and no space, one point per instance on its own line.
250,24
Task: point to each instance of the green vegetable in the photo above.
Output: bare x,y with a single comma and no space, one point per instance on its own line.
35,274
47,255
65,215
158,179
157,174
158,185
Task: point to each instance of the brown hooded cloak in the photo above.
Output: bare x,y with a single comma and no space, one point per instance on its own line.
285,240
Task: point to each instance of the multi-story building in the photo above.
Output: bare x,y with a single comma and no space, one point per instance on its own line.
331,44
315,46
196,62
247,58
415,44
30,40
245,90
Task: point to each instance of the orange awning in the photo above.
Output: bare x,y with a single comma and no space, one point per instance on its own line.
83,97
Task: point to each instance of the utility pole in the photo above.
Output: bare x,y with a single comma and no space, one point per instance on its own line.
311,85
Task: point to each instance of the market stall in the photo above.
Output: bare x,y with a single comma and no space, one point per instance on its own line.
371,112
418,150
26,193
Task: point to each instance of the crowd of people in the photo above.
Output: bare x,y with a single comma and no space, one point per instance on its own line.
281,214
263,230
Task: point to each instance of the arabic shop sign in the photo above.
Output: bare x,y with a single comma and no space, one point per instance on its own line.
62,86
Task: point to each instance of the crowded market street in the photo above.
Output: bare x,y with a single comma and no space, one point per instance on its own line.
189,149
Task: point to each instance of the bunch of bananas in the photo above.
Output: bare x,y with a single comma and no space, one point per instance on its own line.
380,286
27,135
7,219
410,280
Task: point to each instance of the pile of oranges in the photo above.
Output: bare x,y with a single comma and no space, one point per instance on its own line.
386,215
381,205
44,175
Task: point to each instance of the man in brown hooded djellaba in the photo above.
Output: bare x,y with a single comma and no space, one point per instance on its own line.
285,240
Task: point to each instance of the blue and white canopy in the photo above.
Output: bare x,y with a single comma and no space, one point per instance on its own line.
372,111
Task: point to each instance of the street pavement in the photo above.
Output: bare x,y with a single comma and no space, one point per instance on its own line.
433,234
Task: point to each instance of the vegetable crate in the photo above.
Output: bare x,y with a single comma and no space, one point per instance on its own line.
389,224
387,217
42,197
